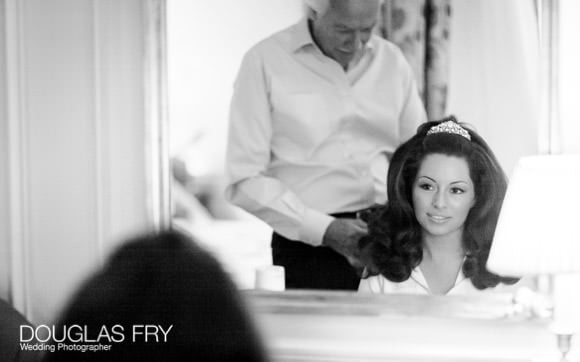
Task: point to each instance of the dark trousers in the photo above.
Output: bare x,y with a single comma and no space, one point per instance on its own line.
310,267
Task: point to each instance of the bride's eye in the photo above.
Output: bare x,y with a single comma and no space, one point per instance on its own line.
426,186
457,190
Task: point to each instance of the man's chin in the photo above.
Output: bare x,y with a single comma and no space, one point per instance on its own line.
344,61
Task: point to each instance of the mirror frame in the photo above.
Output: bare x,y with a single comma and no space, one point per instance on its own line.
156,95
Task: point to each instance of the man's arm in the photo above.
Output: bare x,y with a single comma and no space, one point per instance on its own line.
248,155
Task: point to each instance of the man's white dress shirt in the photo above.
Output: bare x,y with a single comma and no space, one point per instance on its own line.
307,138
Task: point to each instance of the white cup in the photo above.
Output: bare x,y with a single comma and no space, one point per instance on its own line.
270,277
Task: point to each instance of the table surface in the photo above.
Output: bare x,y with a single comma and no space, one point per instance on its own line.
347,326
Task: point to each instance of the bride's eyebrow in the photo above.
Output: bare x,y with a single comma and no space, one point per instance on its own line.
451,183
427,177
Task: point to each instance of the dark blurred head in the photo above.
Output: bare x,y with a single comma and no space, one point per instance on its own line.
163,279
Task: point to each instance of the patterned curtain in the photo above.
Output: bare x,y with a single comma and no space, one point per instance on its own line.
421,29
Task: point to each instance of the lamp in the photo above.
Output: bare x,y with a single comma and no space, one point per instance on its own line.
538,233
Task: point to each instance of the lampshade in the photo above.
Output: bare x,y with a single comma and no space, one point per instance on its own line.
538,231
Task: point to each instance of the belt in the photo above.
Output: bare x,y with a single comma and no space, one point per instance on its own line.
362,214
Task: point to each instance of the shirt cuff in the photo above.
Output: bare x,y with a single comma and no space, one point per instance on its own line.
314,226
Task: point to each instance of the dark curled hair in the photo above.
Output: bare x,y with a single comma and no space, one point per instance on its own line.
393,246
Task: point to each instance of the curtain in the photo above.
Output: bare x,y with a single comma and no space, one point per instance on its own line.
493,74
421,29
477,59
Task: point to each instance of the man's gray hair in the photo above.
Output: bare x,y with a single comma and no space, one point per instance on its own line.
318,7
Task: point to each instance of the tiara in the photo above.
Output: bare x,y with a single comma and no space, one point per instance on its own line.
450,127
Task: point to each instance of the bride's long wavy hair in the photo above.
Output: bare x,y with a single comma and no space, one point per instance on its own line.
394,247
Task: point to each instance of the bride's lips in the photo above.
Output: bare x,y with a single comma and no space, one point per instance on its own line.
438,218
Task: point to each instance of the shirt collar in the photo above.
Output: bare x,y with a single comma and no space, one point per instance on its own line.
419,278
301,36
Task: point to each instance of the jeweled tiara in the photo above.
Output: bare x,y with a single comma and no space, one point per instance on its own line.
450,127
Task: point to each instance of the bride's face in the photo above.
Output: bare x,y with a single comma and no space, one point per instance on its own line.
443,194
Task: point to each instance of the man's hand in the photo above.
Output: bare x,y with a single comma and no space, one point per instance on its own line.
343,235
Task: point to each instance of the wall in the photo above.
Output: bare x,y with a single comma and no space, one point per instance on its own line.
76,137
4,222
494,74
200,87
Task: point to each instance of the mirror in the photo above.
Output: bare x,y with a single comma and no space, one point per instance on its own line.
493,67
